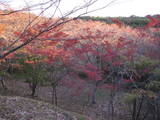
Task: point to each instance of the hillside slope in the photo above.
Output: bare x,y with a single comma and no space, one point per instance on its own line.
18,108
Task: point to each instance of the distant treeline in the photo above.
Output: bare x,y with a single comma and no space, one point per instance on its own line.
133,21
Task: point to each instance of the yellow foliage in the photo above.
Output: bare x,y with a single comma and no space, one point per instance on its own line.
33,31
2,28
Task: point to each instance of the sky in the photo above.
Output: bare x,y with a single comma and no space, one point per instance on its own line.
118,8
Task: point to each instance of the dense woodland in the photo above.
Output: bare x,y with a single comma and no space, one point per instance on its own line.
100,70
133,21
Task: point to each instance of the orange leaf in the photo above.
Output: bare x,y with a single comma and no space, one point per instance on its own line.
2,28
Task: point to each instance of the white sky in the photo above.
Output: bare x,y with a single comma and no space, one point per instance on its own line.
119,8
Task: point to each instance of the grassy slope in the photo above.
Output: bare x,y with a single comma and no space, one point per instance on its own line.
18,108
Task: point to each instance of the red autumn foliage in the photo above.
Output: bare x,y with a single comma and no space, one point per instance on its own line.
87,50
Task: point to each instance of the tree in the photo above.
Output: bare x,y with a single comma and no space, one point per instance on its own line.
34,30
104,57
33,71
31,33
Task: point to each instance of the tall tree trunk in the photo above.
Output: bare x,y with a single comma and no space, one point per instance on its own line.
54,95
93,98
33,90
33,86
139,108
54,91
3,83
111,105
134,109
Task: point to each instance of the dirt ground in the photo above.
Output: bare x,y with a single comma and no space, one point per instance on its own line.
79,104
20,108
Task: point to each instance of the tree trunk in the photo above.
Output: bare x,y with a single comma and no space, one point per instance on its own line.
33,86
3,83
140,107
134,109
54,91
93,99
33,90
111,105
54,95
